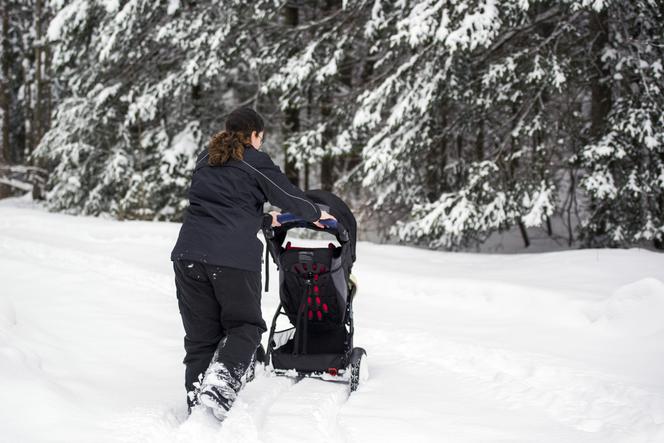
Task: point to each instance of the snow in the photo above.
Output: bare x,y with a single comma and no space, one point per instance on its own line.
185,144
173,5
540,205
18,184
555,347
70,15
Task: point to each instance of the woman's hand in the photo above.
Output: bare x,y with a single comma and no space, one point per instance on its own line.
324,215
274,215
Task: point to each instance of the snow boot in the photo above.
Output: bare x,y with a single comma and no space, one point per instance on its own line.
218,390
256,359
192,396
192,401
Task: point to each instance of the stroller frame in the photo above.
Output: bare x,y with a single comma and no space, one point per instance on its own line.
296,350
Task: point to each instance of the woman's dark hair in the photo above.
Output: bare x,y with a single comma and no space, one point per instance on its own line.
229,144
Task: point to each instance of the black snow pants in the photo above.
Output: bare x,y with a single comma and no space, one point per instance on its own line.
221,310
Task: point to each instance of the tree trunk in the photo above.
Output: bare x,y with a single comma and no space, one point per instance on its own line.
5,152
524,233
328,163
37,123
460,175
600,97
28,119
437,161
306,176
327,176
196,98
479,143
352,157
600,87
47,85
292,114
442,162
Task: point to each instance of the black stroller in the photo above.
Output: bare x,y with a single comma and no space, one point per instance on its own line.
316,292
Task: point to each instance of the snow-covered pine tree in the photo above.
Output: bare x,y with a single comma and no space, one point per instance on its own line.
482,111
463,118
459,118
624,159
144,84
314,61
25,97
24,81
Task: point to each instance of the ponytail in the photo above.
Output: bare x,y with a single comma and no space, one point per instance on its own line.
224,146
229,144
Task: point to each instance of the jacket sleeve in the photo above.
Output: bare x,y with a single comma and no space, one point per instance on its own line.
278,189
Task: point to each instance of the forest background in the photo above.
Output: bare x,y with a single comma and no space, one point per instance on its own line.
450,124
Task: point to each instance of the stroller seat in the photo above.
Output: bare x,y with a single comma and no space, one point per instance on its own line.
309,286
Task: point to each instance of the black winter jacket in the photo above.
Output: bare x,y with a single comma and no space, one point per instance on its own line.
226,208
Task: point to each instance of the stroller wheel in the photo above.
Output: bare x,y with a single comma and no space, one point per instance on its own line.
359,368
352,284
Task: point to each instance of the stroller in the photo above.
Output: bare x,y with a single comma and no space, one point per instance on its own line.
316,292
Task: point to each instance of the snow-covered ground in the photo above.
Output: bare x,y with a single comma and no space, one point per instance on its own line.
557,347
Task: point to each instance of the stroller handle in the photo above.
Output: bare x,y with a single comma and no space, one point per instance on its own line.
292,218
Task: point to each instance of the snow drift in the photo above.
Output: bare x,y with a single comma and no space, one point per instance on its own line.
557,347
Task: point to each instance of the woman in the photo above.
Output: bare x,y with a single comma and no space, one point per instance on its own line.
217,257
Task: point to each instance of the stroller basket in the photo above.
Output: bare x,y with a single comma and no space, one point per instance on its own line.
328,353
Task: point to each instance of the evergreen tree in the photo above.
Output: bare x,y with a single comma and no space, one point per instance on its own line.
146,85
313,70
481,117
625,162
454,119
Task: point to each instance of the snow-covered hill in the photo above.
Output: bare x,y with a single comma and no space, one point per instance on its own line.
558,347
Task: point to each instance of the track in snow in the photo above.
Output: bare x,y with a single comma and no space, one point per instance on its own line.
563,347
270,408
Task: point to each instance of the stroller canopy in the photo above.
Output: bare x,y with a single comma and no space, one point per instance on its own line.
345,229
340,211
